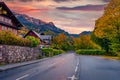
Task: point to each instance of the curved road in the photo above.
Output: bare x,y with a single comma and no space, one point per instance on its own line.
66,67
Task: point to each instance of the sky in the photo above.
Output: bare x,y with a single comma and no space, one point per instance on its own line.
74,16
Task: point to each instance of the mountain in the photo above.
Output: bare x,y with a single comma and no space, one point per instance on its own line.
39,25
82,33
42,26
85,33
75,35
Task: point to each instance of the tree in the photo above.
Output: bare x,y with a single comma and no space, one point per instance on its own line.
23,30
84,42
34,40
107,27
61,41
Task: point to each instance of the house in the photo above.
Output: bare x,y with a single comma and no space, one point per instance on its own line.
8,21
32,33
46,40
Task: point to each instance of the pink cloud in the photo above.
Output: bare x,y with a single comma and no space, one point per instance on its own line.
25,8
84,8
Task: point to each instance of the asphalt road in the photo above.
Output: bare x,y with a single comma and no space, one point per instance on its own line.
66,67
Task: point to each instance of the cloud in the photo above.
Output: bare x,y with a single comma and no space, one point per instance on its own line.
58,1
24,0
25,8
84,8
106,0
18,9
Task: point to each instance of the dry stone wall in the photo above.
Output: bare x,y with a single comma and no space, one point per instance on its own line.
13,54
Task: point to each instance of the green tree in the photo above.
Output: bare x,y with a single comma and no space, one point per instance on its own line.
35,41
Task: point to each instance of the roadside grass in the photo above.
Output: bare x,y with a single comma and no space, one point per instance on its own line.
112,57
95,52
90,52
2,64
102,53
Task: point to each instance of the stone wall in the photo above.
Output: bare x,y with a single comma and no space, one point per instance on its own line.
13,54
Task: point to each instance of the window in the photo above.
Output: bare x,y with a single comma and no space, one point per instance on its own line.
15,31
4,28
0,56
10,29
6,20
1,18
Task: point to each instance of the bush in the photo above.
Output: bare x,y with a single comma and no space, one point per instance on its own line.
56,52
94,52
35,41
9,38
112,53
51,52
47,51
90,52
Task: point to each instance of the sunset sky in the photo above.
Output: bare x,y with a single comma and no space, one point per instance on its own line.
74,16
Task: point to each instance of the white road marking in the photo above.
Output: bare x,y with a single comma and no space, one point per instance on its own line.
77,63
22,77
76,68
73,77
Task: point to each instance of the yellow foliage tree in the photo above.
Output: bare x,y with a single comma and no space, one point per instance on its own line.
85,42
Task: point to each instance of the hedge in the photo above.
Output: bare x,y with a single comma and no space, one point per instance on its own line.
94,52
9,38
47,51
56,52
90,52
51,52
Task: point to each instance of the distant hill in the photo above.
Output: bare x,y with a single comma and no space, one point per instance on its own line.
82,33
74,35
85,33
39,25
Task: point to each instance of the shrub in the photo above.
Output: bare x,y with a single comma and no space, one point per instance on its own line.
9,38
47,51
112,53
56,52
90,52
34,41
94,52
51,52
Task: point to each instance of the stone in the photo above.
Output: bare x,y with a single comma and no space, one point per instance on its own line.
13,54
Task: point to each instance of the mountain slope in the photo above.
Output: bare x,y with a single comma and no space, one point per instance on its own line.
39,25
82,33
85,33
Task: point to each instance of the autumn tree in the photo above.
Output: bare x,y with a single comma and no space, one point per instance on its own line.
107,27
84,42
61,41
23,30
